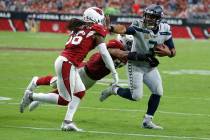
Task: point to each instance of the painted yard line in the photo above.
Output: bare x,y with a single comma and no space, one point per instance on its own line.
4,98
95,91
28,49
122,110
190,98
139,110
112,133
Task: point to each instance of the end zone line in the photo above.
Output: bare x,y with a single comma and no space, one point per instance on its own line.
111,133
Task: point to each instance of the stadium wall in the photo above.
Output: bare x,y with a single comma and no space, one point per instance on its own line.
49,22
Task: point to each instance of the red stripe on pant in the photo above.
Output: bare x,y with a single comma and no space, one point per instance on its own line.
63,102
66,67
44,80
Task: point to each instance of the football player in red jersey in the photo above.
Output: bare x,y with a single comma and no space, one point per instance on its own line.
91,71
83,38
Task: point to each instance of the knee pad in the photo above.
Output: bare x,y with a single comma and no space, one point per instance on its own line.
137,96
80,94
62,101
158,91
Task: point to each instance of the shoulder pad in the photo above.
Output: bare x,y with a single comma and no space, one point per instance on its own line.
99,29
135,23
165,27
115,44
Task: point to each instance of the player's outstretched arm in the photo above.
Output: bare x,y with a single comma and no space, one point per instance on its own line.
106,57
118,29
120,54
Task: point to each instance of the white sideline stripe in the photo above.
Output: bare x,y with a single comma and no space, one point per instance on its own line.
139,110
111,133
98,92
4,98
122,82
122,110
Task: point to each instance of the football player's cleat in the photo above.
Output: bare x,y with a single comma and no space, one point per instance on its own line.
148,124
53,82
25,100
33,105
32,85
107,92
71,126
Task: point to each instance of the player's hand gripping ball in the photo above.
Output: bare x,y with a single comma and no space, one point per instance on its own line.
162,50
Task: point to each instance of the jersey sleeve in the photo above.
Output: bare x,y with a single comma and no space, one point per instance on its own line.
167,29
169,43
99,29
131,30
115,44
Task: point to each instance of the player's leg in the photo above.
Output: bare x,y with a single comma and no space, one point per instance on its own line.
153,80
34,104
62,69
135,90
87,81
79,91
39,81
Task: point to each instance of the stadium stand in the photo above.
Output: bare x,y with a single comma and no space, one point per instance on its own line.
173,8
188,11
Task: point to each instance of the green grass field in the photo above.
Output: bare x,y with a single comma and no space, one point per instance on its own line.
184,111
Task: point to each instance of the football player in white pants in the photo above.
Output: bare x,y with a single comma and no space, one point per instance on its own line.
90,72
86,35
151,37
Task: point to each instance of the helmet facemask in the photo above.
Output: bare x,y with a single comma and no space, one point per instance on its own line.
151,21
152,16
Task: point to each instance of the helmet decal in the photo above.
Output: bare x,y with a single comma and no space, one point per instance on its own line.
98,10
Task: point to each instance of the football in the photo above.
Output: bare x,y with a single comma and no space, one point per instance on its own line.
159,47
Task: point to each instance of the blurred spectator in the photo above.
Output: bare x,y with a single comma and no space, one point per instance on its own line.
113,7
172,8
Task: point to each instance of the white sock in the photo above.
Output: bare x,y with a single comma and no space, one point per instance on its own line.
72,108
147,118
47,98
115,89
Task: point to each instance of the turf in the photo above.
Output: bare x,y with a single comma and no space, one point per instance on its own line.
183,112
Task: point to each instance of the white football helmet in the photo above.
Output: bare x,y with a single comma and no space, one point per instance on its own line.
95,15
126,40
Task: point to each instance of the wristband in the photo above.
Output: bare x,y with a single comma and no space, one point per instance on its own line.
111,29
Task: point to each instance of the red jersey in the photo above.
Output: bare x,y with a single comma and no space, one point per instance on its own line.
95,67
81,42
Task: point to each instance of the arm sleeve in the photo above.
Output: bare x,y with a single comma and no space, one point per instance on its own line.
106,57
115,44
169,43
99,29
134,56
130,31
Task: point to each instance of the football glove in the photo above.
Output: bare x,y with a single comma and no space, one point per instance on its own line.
153,62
